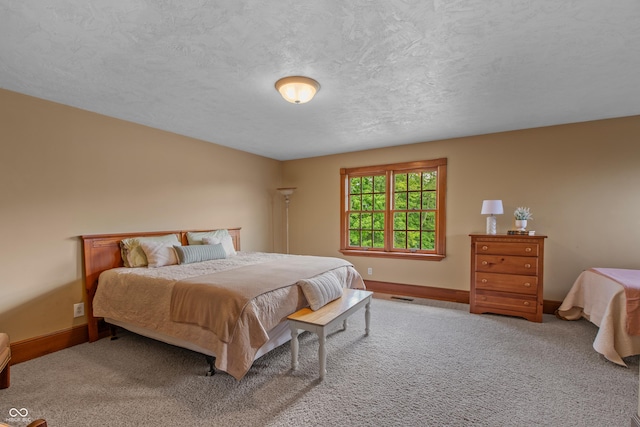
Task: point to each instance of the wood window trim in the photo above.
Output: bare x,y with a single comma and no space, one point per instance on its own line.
345,173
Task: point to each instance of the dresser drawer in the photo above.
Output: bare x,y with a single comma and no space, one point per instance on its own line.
501,301
507,283
507,264
503,248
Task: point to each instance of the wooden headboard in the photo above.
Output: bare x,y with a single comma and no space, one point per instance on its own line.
102,252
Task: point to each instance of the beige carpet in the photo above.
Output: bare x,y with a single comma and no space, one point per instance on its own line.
426,363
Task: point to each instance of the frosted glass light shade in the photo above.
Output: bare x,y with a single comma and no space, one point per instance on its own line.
297,89
286,191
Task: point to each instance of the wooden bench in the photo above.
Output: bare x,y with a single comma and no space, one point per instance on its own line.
321,320
5,358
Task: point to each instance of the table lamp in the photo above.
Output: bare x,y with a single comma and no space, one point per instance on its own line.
491,208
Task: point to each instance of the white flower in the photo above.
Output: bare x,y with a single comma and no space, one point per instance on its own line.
522,213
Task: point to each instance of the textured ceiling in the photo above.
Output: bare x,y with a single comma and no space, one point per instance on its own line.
391,71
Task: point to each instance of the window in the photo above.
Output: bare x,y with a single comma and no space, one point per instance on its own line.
394,210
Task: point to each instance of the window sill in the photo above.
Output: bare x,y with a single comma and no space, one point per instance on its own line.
398,255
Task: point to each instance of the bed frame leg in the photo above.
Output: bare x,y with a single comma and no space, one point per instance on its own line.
212,368
113,332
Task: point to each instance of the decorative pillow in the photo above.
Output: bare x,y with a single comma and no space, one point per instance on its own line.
225,241
132,253
159,254
321,290
198,253
195,237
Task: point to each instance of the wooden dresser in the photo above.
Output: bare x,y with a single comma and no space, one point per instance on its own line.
506,275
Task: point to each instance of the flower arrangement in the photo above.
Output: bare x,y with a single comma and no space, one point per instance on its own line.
523,213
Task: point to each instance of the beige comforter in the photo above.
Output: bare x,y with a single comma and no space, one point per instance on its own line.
603,302
142,297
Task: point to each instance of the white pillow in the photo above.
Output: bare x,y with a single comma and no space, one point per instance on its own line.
195,237
159,254
132,253
321,290
226,241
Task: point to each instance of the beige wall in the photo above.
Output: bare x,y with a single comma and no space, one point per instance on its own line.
581,181
65,172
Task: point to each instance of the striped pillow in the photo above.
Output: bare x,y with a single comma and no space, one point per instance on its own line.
321,290
198,253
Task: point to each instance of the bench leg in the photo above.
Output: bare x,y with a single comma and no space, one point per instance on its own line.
294,348
322,354
367,317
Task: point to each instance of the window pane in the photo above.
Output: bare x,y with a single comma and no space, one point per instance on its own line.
414,181
367,202
378,202
413,240
399,239
379,183
428,240
356,204
366,221
354,238
400,201
414,200
355,186
428,200
367,239
400,182
399,221
378,239
378,221
413,221
354,220
429,221
367,184
429,180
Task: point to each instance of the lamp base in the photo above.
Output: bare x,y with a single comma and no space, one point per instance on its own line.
491,225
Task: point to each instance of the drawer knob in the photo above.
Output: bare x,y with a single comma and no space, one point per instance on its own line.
483,298
526,303
527,285
484,280
485,247
484,263
527,250
527,266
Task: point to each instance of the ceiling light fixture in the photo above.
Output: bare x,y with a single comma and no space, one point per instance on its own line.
297,89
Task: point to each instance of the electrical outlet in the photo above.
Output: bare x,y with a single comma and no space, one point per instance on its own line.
78,309
369,271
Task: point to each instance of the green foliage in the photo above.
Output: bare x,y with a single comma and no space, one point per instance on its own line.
522,213
414,202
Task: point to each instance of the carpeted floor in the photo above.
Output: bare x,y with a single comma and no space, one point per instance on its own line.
426,363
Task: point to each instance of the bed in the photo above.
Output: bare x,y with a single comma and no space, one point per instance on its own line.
610,299
177,303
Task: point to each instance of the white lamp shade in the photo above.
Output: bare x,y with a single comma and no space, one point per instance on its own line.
492,207
286,191
297,89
